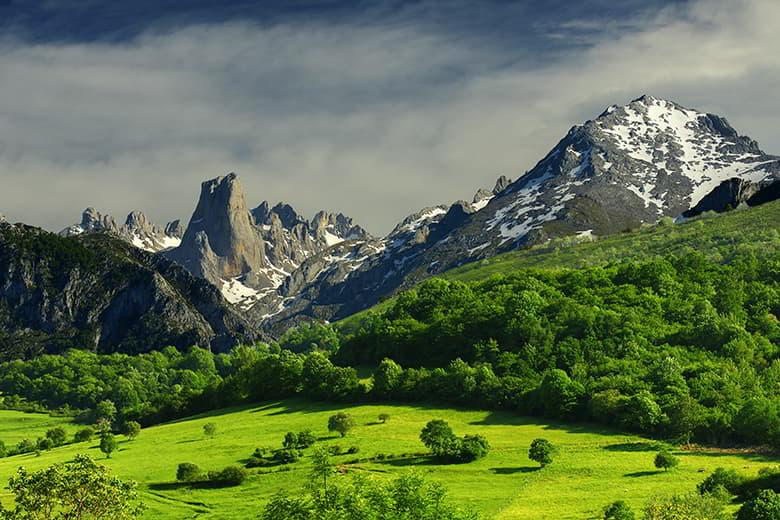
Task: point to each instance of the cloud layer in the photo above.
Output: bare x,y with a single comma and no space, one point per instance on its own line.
372,120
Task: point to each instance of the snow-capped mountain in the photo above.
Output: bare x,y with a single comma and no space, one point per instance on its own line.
137,229
632,164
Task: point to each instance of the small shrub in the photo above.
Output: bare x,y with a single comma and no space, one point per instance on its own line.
341,423
290,440
352,450
261,453
665,460
335,450
131,429
541,451
230,476
43,444
85,434
384,417
57,436
286,456
188,472
108,444
25,446
618,511
472,447
306,439
210,430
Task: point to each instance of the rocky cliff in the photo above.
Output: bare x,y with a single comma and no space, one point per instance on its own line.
98,292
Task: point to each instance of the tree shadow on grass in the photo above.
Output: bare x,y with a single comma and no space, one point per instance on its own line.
171,486
634,446
638,474
512,471
417,460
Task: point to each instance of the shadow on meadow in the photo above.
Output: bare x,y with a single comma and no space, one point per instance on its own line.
634,446
638,474
512,471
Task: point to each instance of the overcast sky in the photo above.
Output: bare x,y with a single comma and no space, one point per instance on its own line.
374,109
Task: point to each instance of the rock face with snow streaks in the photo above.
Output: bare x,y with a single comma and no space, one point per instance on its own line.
633,164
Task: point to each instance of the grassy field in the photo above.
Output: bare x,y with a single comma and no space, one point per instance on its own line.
17,426
594,467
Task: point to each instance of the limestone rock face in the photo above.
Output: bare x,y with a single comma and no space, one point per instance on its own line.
221,241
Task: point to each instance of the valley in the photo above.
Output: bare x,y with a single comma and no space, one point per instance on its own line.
594,467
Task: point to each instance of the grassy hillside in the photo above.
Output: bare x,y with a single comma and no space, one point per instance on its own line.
594,466
717,236
17,426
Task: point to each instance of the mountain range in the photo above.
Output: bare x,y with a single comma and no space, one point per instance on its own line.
631,165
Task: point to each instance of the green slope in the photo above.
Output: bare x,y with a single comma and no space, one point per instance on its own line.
594,467
717,236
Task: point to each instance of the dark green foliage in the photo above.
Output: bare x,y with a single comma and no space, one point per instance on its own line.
299,441
618,510
108,444
472,447
438,437
44,444
131,429
105,411
286,456
84,435
383,417
341,422
765,506
3,449
290,440
727,480
559,395
25,446
228,477
57,436
541,451
310,338
188,472
665,460
444,444
210,430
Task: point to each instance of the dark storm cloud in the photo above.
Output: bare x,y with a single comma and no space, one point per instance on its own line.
374,109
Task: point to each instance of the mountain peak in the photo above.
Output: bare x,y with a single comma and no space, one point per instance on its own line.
221,241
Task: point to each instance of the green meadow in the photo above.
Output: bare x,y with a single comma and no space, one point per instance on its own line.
594,466
16,426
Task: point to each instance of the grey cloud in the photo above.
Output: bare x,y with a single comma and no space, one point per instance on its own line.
372,121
